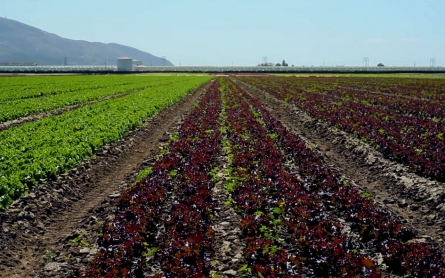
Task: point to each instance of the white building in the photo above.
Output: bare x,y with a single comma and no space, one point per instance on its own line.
125,64
136,63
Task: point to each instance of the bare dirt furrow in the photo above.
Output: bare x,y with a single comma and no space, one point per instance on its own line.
229,246
52,231
416,201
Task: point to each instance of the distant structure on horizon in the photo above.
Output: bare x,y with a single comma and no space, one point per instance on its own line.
127,64
265,63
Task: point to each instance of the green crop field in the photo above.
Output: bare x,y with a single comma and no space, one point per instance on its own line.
39,150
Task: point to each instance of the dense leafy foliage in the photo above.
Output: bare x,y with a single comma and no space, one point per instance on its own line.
41,150
274,199
150,223
402,126
330,192
300,217
16,102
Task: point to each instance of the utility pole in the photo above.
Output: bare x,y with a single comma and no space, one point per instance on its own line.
432,62
163,61
265,62
366,61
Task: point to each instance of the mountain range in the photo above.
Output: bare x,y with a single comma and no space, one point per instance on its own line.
21,43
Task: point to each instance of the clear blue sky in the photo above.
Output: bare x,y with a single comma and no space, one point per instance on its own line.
242,32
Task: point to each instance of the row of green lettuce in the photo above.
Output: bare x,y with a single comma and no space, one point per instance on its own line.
22,87
37,151
102,88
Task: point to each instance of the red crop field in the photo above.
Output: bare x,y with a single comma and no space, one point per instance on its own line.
402,124
249,176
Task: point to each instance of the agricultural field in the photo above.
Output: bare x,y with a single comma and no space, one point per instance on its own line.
403,120
42,149
240,176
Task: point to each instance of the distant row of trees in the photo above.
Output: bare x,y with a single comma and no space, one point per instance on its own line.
283,64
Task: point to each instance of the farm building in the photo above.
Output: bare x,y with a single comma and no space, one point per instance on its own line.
127,64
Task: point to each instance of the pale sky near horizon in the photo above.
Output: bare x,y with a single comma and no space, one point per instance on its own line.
242,32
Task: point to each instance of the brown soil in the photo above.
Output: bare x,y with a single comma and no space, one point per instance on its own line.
229,244
417,202
51,232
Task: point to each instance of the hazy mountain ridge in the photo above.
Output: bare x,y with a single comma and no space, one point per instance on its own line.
23,43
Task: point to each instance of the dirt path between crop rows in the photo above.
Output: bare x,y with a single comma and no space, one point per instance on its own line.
51,231
417,202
